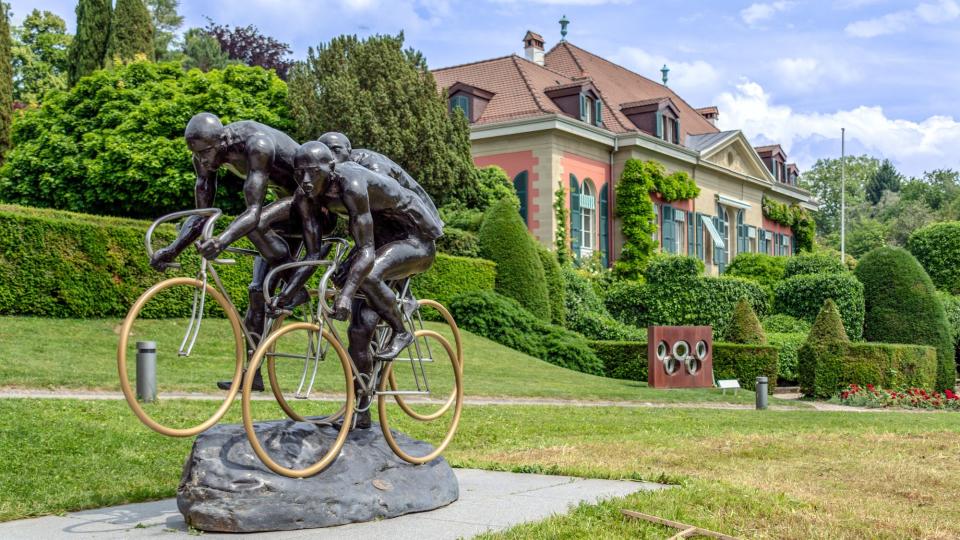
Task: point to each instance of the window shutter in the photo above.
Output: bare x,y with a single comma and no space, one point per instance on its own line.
598,112
669,230
659,124
676,132
604,227
583,108
520,186
698,238
575,217
691,231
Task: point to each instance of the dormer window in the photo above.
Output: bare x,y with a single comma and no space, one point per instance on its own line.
776,161
578,99
658,117
470,100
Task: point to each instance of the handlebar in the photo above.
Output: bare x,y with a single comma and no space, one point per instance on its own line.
341,247
212,214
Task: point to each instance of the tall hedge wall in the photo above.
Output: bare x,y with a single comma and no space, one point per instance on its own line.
803,295
63,264
826,369
902,307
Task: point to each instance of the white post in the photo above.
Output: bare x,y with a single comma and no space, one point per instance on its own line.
843,196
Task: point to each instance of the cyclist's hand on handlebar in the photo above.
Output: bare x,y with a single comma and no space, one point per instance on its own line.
341,309
211,249
162,259
277,305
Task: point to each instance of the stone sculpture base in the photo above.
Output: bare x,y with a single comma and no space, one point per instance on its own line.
225,487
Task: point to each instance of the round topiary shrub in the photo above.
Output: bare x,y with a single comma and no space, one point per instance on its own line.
902,307
813,263
504,240
744,326
937,248
555,290
458,242
760,267
785,324
802,297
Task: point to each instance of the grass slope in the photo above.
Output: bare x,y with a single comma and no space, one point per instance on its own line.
81,354
798,474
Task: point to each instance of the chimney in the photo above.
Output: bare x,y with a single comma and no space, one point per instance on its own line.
533,47
712,114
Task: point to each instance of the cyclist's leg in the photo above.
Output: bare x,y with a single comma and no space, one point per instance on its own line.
396,260
363,323
254,318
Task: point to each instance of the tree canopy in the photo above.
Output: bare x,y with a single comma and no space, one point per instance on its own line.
823,180
248,45
131,32
113,144
885,178
40,64
166,20
6,80
89,46
202,51
384,98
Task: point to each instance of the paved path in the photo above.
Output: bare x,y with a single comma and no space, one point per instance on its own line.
489,501
68,393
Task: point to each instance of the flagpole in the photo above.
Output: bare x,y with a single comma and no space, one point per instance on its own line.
843,195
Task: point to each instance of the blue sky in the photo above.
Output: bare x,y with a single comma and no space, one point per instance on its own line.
787,71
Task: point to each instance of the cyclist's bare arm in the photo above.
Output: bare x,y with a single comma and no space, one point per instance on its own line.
204,192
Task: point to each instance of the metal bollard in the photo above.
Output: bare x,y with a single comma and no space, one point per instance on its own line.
147,371
761,389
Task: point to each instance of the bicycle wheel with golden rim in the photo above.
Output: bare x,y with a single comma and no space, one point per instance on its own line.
331,454
448,318
239,353
457,400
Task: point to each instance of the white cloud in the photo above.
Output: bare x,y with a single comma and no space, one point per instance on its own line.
915,146
566,2
760,12
804,74
695,80
899,21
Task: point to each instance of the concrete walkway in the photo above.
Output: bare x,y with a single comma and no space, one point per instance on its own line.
489,501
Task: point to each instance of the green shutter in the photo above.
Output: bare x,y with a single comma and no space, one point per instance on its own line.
598,112
669,230
698,239
676,132
583,108
659,124
575,216
520,186
604,226
691,232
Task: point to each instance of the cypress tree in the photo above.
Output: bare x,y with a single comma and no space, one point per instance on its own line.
90,44
131,32
6,80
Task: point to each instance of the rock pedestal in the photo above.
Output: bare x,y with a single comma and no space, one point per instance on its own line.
225,487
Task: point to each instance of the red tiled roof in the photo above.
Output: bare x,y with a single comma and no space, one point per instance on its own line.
708,110
769,148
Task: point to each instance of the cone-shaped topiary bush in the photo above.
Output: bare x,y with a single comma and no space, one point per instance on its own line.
828,327
504,240
744,326
902,307
555,289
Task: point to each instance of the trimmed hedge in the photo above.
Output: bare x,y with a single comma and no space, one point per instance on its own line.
785,324
788,345
765,269
802,297
555,288
628,360
937,248
813,263
902,307
622,359
586,314
744,326
699,301
504,240
672,268
69,265
458,242
826,369
745,363
450,276
504,320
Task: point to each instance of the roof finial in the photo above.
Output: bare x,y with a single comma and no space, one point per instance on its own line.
664,70
563,28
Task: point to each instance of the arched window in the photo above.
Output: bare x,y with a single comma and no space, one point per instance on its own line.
520,185
588,216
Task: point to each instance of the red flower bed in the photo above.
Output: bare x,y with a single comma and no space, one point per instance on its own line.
915,398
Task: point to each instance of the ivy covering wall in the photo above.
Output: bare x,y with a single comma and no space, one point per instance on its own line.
798,219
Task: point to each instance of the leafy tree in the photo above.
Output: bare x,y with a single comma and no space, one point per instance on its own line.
885,178
384,98
40,63
823,180
6,80
113,144
495,185
937,189
166,21
202,51
865,235
131,32
249,46
937,248
89,47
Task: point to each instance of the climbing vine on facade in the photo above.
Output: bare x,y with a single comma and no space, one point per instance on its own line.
560,210
798,219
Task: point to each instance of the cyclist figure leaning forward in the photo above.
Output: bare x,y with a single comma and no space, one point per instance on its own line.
394,232
262,156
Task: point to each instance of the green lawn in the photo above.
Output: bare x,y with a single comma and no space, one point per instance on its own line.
794,474
81,354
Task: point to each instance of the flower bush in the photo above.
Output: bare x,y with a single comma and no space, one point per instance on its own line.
914,398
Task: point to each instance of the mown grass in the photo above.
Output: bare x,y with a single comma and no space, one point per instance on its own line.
81,354
790,474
